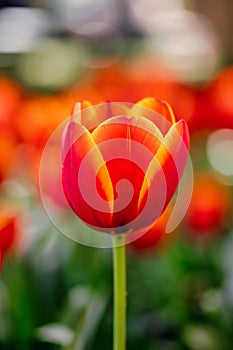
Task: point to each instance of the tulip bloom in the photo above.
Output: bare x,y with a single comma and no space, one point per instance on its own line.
122,165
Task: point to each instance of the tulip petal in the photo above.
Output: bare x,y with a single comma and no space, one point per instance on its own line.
169,162
159,106
85,178
79,106
127,145
90,116
138,129
159,112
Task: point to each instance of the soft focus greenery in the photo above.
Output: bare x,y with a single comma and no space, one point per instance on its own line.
177,299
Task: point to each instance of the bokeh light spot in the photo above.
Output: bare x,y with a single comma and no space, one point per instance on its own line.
219,151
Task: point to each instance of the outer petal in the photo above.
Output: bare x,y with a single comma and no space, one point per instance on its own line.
90,116
172,156
84,113
78,106
137,129
159,112
127,146
85,178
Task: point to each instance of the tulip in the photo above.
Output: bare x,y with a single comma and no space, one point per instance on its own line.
121,165
144,146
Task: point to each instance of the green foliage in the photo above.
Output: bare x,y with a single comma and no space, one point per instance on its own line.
176,298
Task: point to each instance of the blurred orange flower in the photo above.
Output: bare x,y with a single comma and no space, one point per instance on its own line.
38,117
10,97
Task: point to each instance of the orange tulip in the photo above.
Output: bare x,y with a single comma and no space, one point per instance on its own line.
121,164
32,123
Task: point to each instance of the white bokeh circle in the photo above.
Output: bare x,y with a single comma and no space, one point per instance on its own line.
219,151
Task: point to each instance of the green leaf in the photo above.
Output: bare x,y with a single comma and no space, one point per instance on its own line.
90,308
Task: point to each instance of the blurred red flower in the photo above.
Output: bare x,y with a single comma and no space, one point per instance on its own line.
156,237
148,76
209,207
8,146
10,97
8,233
215,103
113,150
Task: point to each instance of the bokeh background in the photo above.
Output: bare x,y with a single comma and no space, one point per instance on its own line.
57,294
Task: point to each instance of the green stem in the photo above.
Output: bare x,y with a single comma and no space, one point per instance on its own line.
119,270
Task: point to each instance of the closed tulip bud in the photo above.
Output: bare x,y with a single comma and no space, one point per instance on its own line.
121,165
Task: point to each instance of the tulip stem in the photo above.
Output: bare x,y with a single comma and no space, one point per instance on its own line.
119,283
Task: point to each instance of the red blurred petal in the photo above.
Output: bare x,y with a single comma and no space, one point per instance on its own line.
7,233
210,204
150,239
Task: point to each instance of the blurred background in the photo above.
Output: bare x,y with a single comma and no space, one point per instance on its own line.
57,294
